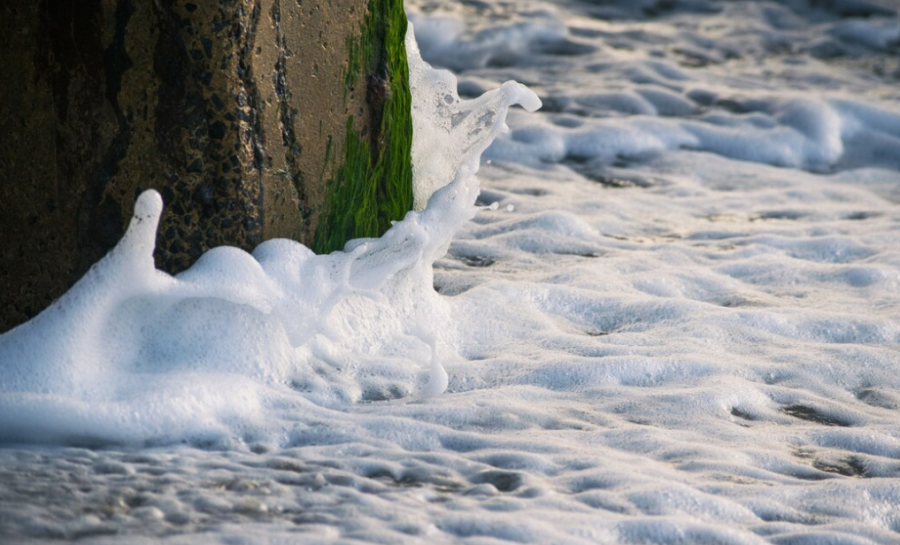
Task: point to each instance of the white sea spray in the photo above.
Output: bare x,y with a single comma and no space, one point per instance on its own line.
667,340
131,354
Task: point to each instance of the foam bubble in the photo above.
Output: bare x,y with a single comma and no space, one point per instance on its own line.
129,352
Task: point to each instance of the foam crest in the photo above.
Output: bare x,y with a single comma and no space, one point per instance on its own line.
132,354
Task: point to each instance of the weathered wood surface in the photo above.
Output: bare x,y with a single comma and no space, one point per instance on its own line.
255,119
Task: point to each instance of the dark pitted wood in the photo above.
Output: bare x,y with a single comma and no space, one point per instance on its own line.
236,111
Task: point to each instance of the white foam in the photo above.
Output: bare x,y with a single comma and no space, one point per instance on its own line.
685,332
129,352
796,132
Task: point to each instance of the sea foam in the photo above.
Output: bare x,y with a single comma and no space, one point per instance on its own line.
131,354
678,346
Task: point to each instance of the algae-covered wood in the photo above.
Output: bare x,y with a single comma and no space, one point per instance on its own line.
254,119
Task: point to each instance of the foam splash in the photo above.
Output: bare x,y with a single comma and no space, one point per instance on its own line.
132,354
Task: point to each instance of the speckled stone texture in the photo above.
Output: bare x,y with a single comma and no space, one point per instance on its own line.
234,110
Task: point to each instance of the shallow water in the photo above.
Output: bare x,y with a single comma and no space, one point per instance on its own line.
681,324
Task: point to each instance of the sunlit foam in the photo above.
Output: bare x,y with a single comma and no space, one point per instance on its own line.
133,354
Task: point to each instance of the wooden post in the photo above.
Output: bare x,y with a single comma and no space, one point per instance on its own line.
255,119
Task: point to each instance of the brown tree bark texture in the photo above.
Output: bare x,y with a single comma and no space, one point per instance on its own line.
230,108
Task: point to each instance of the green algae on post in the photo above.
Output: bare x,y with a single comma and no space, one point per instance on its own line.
373,186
